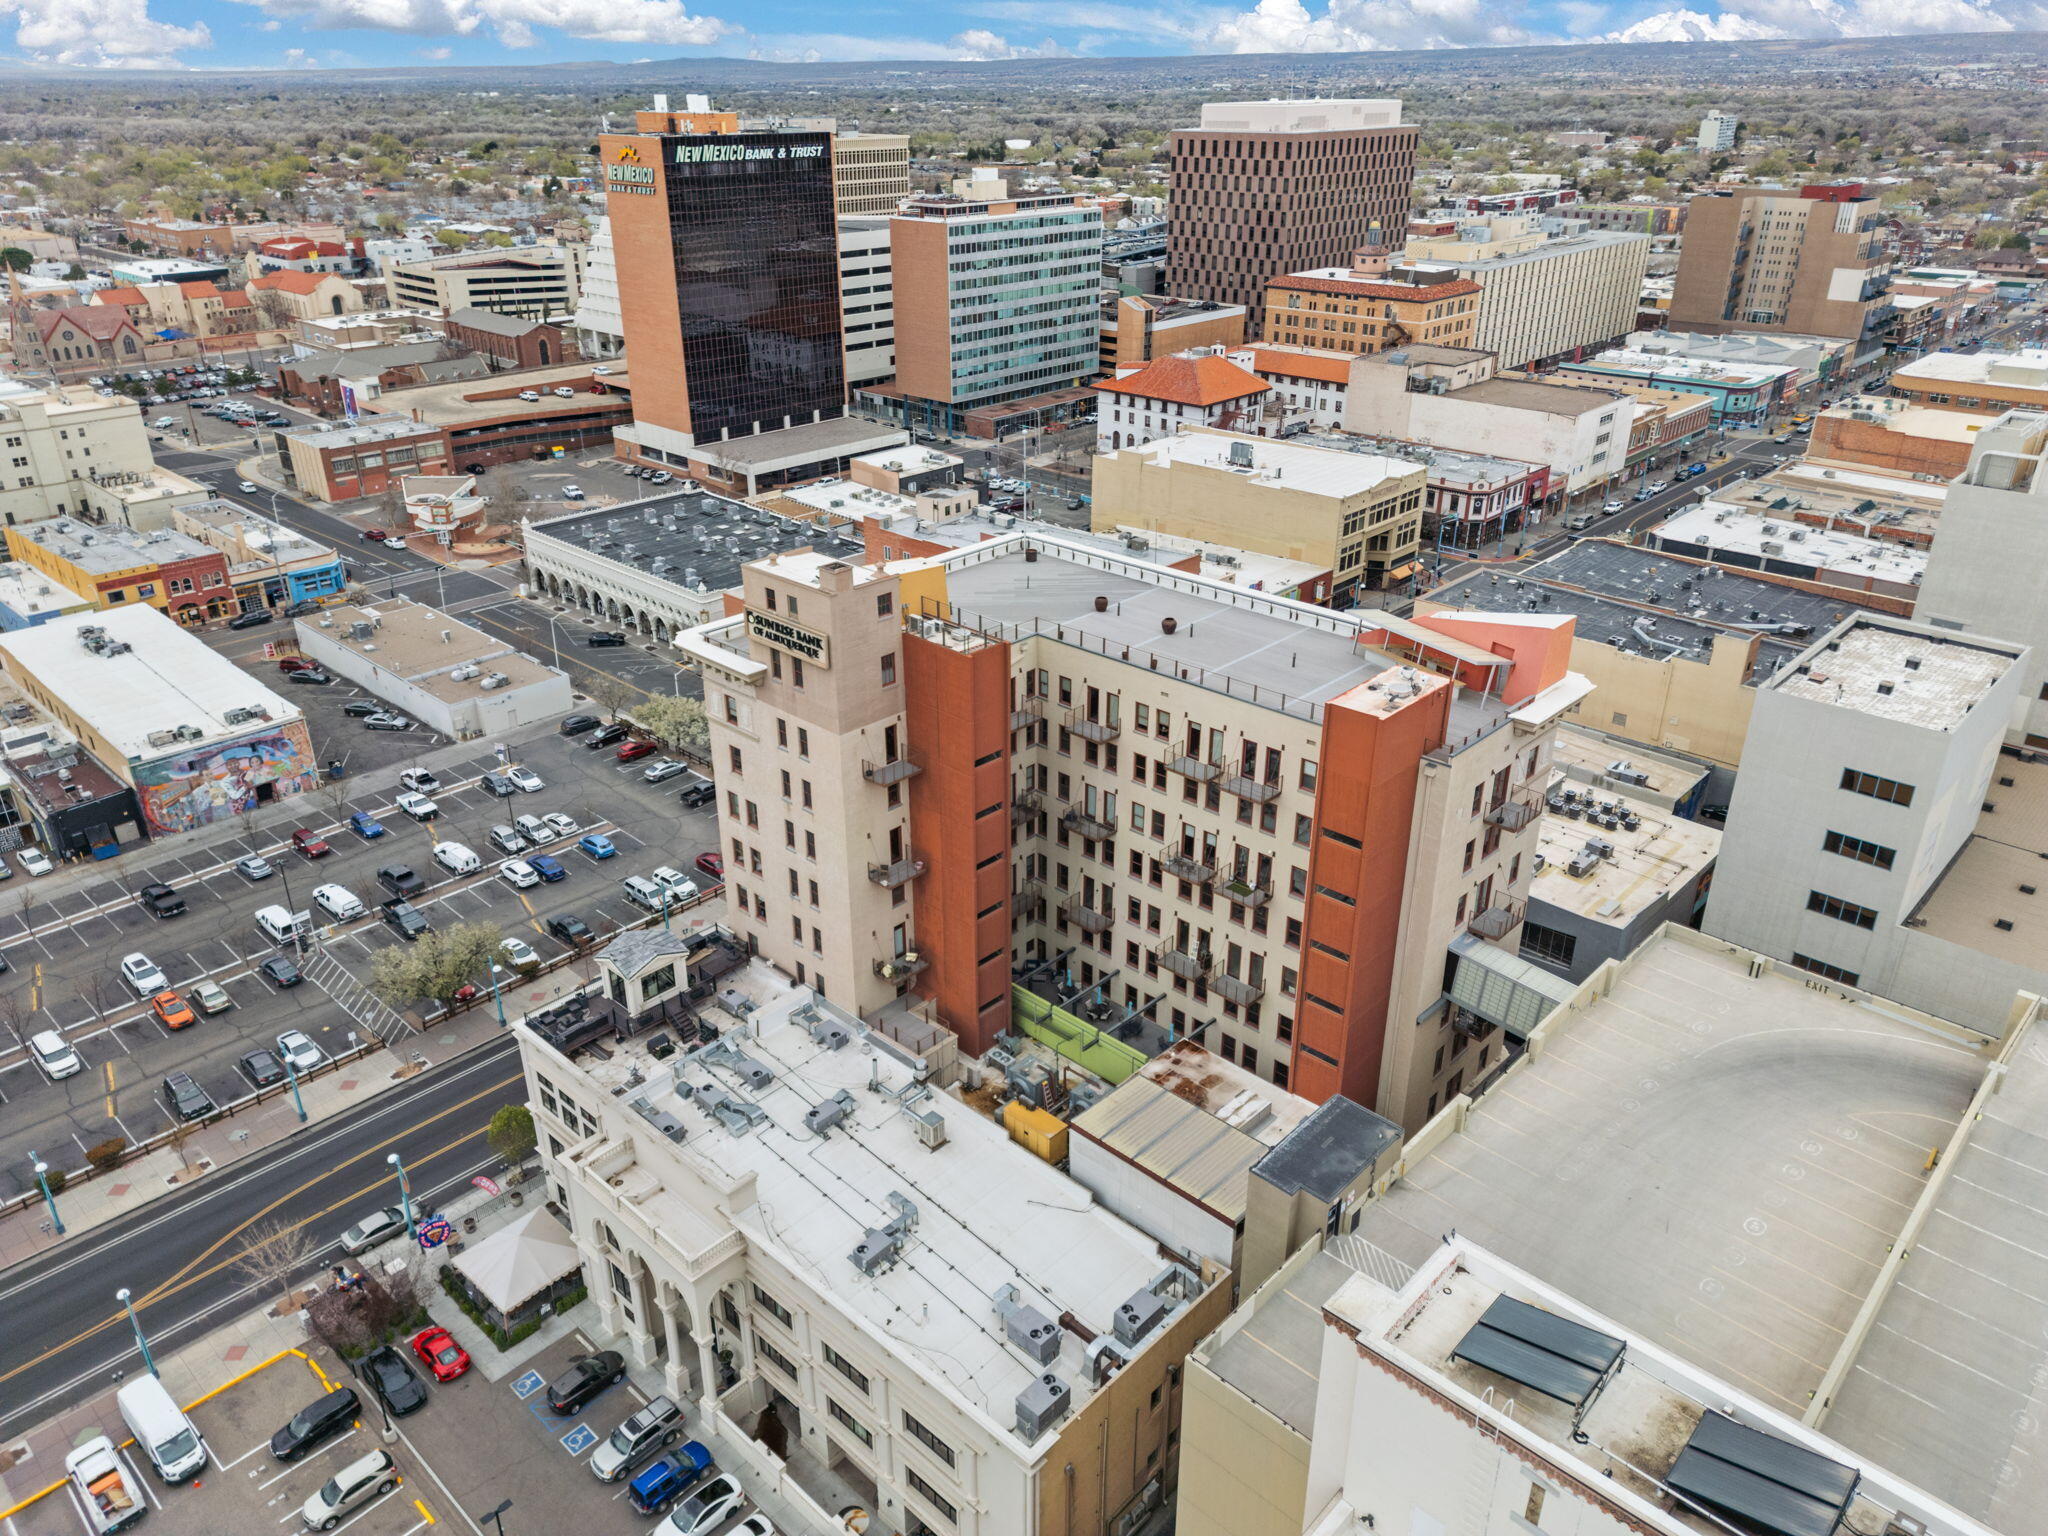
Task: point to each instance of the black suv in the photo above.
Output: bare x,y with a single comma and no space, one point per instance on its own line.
404,919
400,879
586,1376
315,1422
570,929
186,1099
357,709
598,638
575,725
606,735
394,1381
159,900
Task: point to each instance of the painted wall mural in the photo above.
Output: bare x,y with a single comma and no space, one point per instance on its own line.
224,779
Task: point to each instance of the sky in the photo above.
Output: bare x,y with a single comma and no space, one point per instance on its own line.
322,34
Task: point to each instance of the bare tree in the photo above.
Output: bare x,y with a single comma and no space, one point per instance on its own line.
612,693
273,1252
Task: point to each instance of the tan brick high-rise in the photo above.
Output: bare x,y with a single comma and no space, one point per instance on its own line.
1263,188
1806,262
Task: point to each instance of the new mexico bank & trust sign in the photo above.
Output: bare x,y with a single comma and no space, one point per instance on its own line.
697,154
630,178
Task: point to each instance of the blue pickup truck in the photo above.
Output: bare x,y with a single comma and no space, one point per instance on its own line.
670,1478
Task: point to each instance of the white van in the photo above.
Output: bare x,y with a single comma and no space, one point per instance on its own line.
338,902
644,893
163,1434
457,858
534,830
280,926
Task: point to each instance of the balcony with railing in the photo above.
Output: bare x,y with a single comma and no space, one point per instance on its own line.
900,872
1245,787
1025,714
1188,766
898,768
903,967
1516,811
1498,920
1188,966
1083,916
1186,864
1091,730
1241,990
1026,799
1087,824
1246,890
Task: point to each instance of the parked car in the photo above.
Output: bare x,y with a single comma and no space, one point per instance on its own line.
498,784
365,826
360,709
437,1350
305,840
338,902
548,867
418,807
644,1431
699,791
383,721
712,864
678,885
172,1010
400,879
294,664
250,618
366,1478
324,1416
375,1228
404,919
666,1480
519,954
506,839
420,779
160,900
518,873
299,1051
705,1510
185,1099
570,929
211,998
141,973
597,846
574,725
632,750
607,735
54,1056
457,858
261,1067
561,825
525,780
280,970
35,862
584,1378
661,772
309,675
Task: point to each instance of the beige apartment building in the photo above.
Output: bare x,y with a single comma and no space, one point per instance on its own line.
1805,261
537,281
69,451
1357,514
870,171
1542,295
1371,305
1033,784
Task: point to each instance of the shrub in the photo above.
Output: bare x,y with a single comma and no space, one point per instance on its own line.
108,1154
55,1179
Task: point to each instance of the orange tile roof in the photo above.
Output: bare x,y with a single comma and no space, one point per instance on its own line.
1308,363
234,299
124,294
292,282
1351,287
204,289
1181,380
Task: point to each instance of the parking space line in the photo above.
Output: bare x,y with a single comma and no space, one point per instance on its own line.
261,1445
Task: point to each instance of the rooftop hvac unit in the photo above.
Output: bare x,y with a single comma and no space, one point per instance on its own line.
494,680
1139,1316
1582,864
1027,1327
820,1118
1041,1405
1627,772
880,1247
1241,455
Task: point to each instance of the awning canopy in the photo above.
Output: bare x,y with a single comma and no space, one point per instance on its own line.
516,1263
1554,1355
1767,1482
1504,989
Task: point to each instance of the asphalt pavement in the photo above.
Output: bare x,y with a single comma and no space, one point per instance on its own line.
65,1334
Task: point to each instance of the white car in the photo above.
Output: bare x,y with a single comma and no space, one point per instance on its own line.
706,1510
526,779
572,493
519,954
518,874
140,972
298,1050
418,807
560,825
457,858
674,881
756,1524
1614,506
338,902
35,861
394,543
54,1056
246,485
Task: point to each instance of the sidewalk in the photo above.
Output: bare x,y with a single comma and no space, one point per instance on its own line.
26,1231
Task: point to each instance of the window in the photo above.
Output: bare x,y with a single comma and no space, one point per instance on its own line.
860,1430
1856,848
1532,1508
1822,968
1841,911
771,1306
774,1356
889,670
928,1440
931,1496
1858,782
1548,946
885,604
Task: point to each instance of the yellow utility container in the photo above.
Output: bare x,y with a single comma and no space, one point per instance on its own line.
1039,1131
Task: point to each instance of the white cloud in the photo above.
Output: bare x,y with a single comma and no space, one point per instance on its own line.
973,45
1751,19
298,58
100,34
666,22
433,53
1693,27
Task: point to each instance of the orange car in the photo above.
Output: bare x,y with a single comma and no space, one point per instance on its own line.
175,1012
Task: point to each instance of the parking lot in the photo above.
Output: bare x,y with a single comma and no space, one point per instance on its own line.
246,1490
63,952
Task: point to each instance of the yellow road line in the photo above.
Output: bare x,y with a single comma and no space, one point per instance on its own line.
110,1090
426,1514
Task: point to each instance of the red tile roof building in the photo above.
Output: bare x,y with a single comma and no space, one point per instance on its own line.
1203,389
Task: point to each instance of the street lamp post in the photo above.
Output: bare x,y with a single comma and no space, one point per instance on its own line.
43,1178
291,1074
404,1191
497,1517
497,996
135,1322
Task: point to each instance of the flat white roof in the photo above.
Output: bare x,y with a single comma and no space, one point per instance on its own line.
28,592
1723,525
1695,370
1897,673
2026,368
909,460
1287,466
1656,857
158,679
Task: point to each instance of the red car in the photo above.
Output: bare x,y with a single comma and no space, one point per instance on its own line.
375,535
712,864
310,843
633,749
294,664
440,1354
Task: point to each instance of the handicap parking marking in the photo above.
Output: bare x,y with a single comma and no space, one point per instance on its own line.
528,1384
579,1440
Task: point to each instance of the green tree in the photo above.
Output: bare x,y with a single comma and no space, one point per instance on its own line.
454,239
677,723
511,1132
435,965
14,256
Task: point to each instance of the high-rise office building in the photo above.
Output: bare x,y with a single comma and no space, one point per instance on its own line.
726,245
1803,260
1717,132
870,171
1263,188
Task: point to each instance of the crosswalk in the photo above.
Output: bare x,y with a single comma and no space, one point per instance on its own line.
355,999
